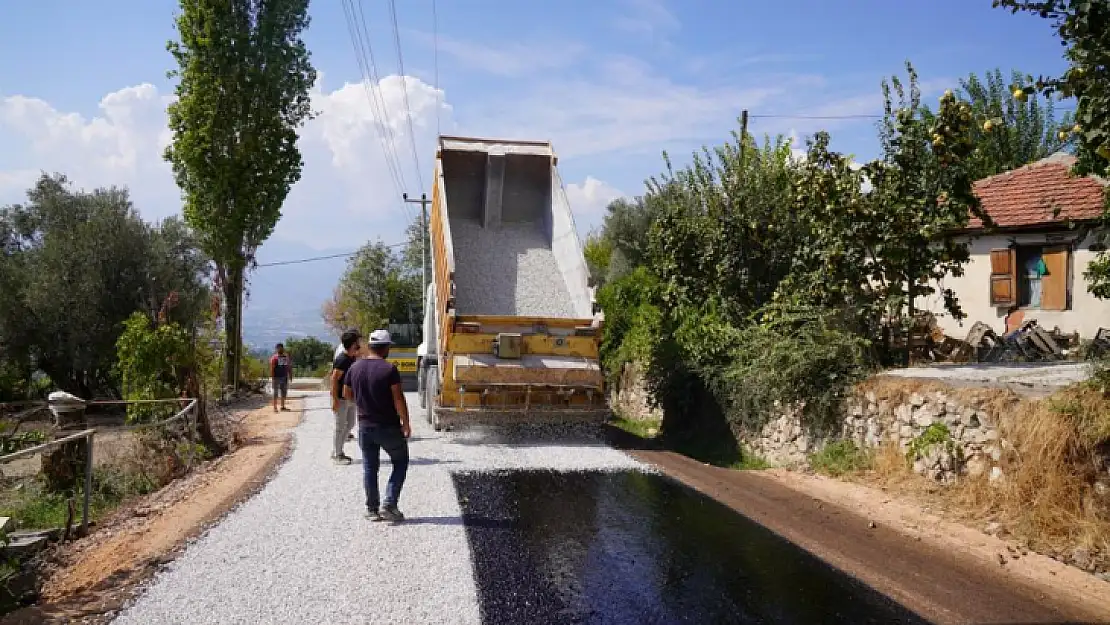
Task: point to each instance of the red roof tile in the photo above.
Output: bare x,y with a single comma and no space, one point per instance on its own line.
1032,195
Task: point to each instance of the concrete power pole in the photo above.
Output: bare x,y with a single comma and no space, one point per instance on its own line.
423,202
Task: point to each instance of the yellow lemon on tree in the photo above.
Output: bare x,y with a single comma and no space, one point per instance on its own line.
1019,95
988,125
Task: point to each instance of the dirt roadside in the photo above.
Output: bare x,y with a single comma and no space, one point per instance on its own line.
947,573
99,574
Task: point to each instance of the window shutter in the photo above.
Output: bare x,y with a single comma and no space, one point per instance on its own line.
1003,277
1054,284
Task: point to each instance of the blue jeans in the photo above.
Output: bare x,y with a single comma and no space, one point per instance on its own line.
372,440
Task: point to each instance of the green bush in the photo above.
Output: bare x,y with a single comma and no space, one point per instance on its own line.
787,357
35,507
935,434
632,320
839,458
150,361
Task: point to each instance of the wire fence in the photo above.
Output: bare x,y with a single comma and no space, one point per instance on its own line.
63,465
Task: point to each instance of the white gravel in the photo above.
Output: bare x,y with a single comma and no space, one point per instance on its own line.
508,270
301,551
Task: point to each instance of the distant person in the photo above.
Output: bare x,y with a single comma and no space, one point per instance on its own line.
383,424
343,409
280,370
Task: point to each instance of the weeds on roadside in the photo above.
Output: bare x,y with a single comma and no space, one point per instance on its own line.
644,428
840,458
34,507
1057,450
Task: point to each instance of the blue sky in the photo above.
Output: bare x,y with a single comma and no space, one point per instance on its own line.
612,83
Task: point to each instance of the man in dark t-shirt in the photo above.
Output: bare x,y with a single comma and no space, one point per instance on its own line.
280,372
343,409
383,424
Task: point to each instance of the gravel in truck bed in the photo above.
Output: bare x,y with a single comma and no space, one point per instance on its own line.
507,270
301,551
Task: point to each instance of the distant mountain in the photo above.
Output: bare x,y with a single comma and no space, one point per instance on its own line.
285,300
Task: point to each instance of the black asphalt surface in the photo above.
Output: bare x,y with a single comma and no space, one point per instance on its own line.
632,548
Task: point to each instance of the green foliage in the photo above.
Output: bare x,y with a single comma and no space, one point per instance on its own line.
723,227
244,79
922,193
310,355
412,252
788,357
1008,133
376,289
626,225
838,458
646,428
75,265
12,440
34,507
598,251
935,434
632,326
1084,30
254,368
150,363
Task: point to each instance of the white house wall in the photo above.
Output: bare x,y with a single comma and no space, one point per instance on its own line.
1085,315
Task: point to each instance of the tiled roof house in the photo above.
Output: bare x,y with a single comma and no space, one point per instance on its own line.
1031,265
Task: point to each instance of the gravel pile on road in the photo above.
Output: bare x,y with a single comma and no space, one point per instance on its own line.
302,552
507,270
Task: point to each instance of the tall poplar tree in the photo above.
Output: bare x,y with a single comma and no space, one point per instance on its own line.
244,76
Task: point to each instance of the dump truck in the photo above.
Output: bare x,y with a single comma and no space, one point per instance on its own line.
511,331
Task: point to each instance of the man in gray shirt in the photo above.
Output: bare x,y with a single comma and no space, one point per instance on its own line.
343,409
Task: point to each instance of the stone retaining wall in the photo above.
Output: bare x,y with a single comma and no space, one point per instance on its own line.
964,439
630,399
964,436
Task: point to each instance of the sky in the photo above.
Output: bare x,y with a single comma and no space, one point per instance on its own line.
611,83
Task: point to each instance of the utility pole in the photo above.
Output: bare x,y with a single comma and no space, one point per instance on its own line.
743,134
423,202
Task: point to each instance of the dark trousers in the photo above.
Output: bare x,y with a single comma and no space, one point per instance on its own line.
372,440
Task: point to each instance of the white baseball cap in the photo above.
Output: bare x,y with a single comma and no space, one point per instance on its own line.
380,337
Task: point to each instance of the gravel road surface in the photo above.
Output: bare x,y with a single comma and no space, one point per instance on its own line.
302,552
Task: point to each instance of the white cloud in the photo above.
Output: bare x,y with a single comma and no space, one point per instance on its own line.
628,109
647,17
588,201
509,59
346,195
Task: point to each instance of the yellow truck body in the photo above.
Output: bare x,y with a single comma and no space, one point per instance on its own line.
485,366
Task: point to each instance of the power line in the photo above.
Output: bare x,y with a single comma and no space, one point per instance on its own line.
405,90
368,89
312,259
852,116
861,116
375,76
435,61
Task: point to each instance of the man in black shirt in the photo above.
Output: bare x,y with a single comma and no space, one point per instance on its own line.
383,424
343,409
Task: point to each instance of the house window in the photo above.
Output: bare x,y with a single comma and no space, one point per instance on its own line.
1031,276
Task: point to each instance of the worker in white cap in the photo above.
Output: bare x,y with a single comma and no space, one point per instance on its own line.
383,424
